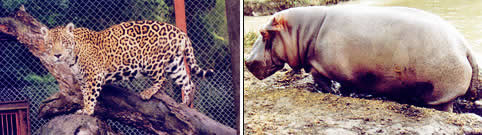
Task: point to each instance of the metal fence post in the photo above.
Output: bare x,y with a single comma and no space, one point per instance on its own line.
180,13
232,15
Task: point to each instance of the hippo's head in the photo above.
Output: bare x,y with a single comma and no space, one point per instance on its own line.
272,49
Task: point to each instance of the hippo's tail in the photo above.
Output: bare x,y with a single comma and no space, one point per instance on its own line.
474,93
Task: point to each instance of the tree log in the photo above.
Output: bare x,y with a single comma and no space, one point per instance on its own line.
76,125
160,115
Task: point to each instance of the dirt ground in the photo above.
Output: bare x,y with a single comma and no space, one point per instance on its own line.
289,104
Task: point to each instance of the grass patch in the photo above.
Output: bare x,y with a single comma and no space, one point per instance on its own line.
269,7
249,39
318,2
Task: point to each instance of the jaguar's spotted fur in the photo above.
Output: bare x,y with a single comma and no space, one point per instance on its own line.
125,51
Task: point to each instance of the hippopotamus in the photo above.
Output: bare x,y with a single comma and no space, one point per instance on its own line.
394,51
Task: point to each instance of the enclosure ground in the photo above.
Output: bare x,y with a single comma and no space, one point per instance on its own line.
289,104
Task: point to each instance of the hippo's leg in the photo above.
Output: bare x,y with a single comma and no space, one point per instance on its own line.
445,92
324,83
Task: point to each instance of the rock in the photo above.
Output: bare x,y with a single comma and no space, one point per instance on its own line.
338,131
76,125
478,103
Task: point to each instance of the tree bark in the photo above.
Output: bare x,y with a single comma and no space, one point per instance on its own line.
76,125
160,115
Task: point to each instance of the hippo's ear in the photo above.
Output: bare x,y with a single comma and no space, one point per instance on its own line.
278,23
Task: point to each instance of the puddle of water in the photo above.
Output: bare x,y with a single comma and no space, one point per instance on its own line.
465,15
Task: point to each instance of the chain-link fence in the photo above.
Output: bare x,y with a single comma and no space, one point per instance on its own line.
22,76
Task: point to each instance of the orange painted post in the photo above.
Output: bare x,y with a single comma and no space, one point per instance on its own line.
180,13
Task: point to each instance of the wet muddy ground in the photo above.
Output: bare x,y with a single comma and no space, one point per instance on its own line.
287,103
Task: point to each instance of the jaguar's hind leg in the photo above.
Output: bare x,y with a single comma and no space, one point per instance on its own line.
147,93
158,78
188,92
179,71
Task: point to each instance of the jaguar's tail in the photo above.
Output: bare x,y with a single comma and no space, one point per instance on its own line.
191,61
201,72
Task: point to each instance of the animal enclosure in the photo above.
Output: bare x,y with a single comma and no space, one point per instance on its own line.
22,76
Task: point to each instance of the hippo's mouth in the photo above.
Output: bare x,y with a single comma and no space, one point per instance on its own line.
262,73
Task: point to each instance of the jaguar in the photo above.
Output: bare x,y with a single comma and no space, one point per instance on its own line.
124,52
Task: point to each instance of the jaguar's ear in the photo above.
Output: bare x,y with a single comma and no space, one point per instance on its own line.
22,8
278,23
44,31
70,28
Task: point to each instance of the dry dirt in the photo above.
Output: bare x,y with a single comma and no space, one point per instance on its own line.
286,104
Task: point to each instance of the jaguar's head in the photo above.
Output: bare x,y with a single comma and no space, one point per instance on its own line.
60,43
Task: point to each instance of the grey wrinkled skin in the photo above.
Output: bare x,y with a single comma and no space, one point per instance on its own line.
396,51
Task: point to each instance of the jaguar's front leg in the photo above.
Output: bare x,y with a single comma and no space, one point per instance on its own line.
90,91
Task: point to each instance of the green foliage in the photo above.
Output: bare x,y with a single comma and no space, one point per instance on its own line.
104,14
249,39
34,78
153,10
11,5
292,2
218,22
94,14
269,7
207,28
